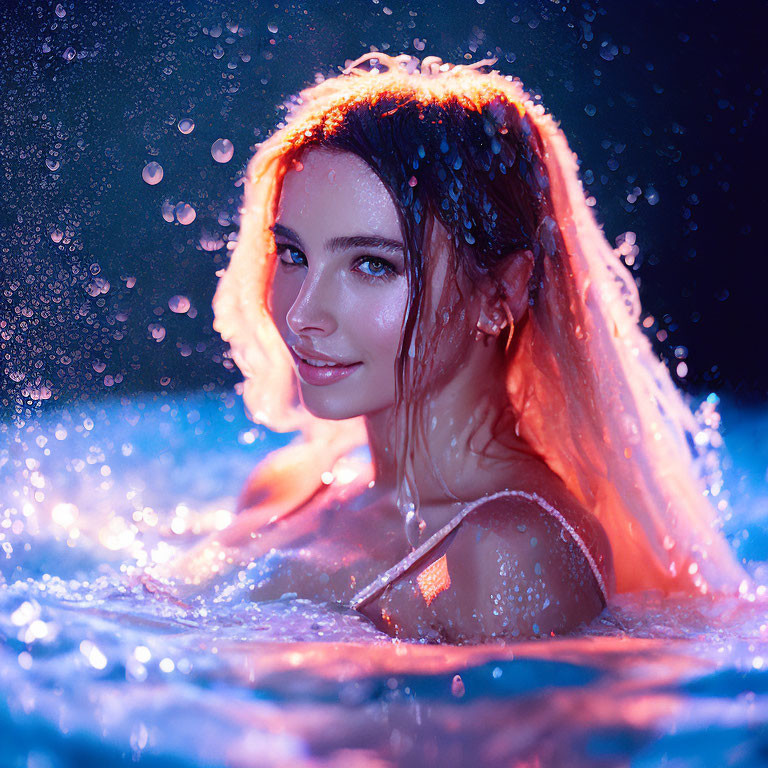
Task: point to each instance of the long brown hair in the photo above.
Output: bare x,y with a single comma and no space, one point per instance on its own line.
471,151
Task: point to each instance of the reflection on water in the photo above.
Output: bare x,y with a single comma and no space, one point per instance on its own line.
94,670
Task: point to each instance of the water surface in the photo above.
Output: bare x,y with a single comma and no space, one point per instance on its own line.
95,671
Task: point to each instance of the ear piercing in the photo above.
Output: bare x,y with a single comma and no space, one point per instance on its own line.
498,322
494,325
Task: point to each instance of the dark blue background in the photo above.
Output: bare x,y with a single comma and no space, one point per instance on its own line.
675,92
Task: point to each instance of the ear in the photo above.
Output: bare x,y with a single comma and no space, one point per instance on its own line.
513,273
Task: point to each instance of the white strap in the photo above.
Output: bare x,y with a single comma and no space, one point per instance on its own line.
386,578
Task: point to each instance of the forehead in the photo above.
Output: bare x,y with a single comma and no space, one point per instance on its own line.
331,192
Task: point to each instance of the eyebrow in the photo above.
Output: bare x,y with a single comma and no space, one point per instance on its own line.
350,241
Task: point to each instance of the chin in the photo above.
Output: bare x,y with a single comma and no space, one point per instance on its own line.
335,407
325,407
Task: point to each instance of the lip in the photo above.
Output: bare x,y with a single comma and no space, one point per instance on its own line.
320,377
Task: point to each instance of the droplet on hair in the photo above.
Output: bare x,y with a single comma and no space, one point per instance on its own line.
547,235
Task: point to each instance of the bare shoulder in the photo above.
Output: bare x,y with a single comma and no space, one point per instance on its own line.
515,567
555,528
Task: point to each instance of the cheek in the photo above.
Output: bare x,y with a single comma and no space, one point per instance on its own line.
377,324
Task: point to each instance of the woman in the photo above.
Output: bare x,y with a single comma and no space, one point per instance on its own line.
417,269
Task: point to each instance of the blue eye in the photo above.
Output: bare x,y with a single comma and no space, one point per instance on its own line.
372,268
294,254
379,268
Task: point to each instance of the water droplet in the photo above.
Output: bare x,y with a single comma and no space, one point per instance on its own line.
56,235
218,52
272,28
186,125
69,54
157,331
222,150
52,163
168,211
209,242
179,304
457,686
652,196
152,173
60,11
185,213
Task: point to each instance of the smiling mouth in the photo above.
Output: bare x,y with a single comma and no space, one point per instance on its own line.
324,364
320,373
317,363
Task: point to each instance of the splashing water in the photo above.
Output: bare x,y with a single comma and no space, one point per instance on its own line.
96,669
92,493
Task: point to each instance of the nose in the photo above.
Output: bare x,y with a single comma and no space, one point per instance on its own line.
314,310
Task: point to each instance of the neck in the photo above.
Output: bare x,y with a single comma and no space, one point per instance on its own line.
461,455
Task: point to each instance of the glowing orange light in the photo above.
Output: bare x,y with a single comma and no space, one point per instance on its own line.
434,579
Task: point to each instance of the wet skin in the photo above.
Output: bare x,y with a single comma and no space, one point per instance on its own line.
514,571
511,569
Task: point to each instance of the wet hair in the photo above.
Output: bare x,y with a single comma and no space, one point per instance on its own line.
470,151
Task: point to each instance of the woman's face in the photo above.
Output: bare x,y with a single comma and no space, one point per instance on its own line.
340,290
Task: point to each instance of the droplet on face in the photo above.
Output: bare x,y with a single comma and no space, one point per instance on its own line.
185,213
179,304
186,125
60,11
52,163
56,235
222,150
69,54
152,173
168,211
